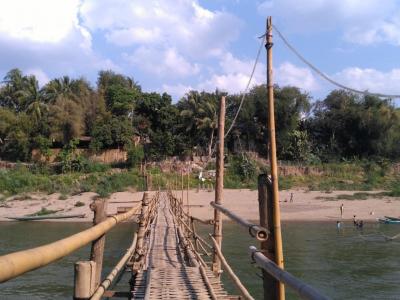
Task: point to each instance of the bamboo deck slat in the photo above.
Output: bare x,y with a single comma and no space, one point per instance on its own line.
168,275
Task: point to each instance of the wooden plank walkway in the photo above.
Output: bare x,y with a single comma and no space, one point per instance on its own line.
167,274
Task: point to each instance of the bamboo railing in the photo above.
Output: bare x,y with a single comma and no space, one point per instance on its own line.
304,290
15,264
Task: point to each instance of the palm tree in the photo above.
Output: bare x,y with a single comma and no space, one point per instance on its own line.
200,114
33,101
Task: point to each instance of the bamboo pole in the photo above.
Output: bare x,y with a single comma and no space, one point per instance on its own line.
141,231
99,208
239,285
260,233
115,271
272,157
187,193
14,264
216,265
182,187
305,291
265,203
84,279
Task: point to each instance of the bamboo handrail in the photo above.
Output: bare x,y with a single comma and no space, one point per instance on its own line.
304,290
260,233
242,289
18,263
117,269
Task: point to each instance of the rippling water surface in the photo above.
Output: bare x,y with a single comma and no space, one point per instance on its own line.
342,264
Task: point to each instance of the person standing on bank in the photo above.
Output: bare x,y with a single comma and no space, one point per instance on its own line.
341,210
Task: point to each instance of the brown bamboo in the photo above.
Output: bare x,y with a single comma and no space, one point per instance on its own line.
14,264
265,202
187,193
239,285
272,157
84,279
115,271
99,208
260,233
303,290
216,264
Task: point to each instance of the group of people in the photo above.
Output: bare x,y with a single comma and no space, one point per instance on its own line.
356,223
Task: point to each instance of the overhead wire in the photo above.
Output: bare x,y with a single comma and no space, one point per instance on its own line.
246,89
323,75
243,95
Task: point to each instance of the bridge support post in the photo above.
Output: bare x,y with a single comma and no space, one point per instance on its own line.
141,231
84,279
276,220
219,187
99,208
265,205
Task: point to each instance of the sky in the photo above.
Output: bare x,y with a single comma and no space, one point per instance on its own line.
174,46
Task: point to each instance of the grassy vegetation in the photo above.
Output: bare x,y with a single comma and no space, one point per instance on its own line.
21,180
79,204
241,172
44,211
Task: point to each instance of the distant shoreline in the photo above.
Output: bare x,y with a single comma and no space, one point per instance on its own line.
307,206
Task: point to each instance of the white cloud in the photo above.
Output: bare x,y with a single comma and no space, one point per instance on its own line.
176,91
371,80
182,24
234,75
46,21
167,38
382,31
131,36
40,75
361,21
162,62
46,35
289,74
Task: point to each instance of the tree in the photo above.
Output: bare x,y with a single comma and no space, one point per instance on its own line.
346,125
199,114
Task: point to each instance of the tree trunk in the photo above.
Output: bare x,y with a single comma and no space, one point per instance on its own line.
210,145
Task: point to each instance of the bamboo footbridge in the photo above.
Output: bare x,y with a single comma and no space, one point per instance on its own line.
167,258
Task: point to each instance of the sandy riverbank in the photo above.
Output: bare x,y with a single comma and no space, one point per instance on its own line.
306,206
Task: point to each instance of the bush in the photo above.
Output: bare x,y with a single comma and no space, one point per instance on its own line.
135,155
79,204
243,166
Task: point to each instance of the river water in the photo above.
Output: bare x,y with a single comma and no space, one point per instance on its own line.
342,264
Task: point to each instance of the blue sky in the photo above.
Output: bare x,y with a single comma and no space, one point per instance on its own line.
177,45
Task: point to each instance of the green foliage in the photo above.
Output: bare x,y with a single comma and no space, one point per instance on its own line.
21,180
118,182
110,132
79,204
70,160
43,212
340,127
243,166
135,155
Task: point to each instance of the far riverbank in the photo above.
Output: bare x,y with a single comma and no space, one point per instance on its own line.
306,205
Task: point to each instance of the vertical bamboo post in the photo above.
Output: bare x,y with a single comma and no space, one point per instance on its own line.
99,208
182,187
84,279
141,231
265,205
216,266
187,194
272,157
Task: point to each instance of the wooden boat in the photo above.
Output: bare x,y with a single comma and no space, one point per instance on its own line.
388,221
46,217
392,218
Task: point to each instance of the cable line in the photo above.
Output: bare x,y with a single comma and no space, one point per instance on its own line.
246,89
323,75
